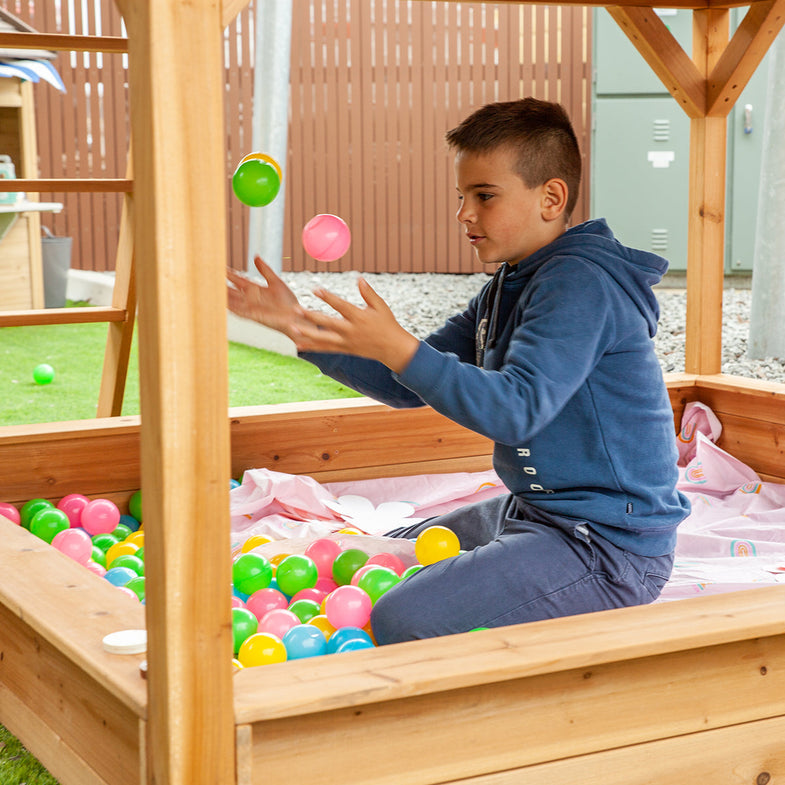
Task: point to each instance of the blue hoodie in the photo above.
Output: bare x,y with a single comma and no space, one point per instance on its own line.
554,361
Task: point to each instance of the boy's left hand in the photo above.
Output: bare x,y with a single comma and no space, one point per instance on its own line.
371,332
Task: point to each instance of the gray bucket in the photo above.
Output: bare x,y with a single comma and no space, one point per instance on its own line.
56,255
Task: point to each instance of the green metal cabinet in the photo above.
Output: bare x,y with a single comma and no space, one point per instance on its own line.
640,149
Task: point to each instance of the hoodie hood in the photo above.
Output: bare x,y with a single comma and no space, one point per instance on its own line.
635,271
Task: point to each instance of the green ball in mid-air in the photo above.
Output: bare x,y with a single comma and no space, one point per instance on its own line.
256,182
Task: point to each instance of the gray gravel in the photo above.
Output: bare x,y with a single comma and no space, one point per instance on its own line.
422,302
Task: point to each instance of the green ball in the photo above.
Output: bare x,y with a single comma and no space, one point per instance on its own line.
346,564
136,585
29,509
105,541
244,624
129,560
251,572
296,572
305,610
48,522
99,556
255,183
121,531
377,580
43,374
135,505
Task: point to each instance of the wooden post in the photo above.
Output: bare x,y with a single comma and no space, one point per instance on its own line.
176,76
706,228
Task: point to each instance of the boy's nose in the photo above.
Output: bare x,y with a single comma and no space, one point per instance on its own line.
464,214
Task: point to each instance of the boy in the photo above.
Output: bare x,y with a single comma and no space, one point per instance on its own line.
553,360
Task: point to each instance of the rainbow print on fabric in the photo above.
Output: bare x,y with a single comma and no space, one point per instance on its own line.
751,487
695,475
742,548
687,432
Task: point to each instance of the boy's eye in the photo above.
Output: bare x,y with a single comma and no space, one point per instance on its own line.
484,197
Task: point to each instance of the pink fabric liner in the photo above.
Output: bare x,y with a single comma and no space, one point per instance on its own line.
733,539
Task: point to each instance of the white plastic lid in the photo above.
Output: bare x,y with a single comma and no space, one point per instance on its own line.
126,642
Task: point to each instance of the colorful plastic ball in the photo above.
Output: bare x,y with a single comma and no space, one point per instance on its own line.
137,586
131,523
388,560
256,182
129,560
30,508
265,600
261,648
233,484
325,585
9,511
264,157
354,644
96,568
119,549
304,640
48,522
135,505
339,637
244,624
251,572
346,563
359,574
323,553
317,595
378,580
121,531
254,541
237,602
304,610
348,606
98,556
326,237
134,538
277,622
296,572
100,516
72,505
74,543
236,664
43,374
436,543
119,576
323,623
105,541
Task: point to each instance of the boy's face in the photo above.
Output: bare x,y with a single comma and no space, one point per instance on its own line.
504,220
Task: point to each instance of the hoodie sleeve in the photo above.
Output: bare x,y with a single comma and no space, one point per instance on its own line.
555,340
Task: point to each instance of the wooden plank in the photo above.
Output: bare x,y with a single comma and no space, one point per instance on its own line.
64,43
743,55
656,44
183,378
68,185
473,730
749,753
26,318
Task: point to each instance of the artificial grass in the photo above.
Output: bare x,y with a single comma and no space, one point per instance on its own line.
18,766
75,351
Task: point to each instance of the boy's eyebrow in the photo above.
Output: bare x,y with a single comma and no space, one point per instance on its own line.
475,186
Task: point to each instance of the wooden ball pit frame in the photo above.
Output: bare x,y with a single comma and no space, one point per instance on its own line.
665,693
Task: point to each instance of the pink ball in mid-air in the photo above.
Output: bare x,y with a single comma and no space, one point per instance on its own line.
326,237
100,516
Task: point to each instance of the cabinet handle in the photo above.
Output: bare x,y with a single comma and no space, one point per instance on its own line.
747,118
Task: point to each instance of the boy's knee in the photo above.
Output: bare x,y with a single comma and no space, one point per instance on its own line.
392,619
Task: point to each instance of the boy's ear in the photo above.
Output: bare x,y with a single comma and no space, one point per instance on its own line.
554,198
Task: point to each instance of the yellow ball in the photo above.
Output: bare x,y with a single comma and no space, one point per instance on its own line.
322,622
120,549
253,541
261,648
136,538
436,543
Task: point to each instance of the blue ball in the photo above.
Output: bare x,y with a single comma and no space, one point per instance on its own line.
304,640
119,576
130,522
355,644
345,634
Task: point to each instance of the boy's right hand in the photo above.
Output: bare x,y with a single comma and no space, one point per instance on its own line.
274,305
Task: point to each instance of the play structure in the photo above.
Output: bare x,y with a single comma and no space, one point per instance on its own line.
692,690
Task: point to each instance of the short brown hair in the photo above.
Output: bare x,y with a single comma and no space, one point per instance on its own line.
541,134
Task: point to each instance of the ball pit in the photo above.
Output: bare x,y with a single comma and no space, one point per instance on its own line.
284,605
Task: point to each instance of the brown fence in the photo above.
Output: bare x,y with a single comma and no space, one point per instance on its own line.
374,86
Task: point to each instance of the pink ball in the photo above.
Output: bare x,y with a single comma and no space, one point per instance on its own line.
309,594
387,560
10,512
237,602
359,574
326,584
326,237
74,543
100,516
348,606
323,552
72,505
262,601
278,622
98,569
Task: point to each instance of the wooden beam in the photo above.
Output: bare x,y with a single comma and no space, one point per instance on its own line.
743,55
61,316
59,42
180,241
100,185
706,210
230,9
664,54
